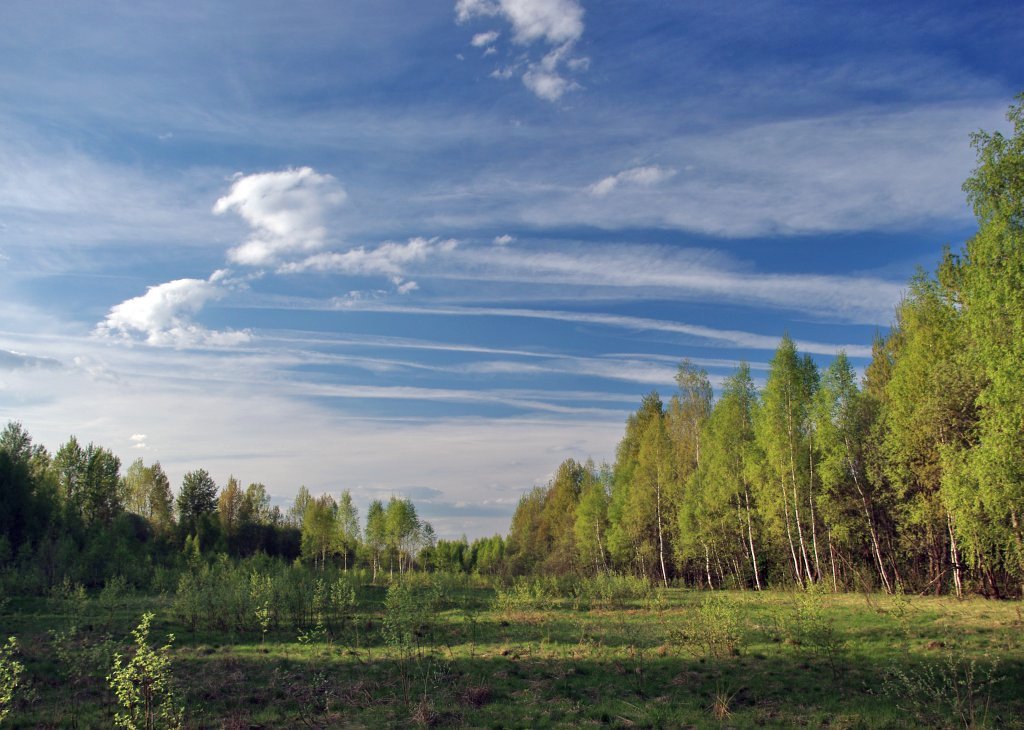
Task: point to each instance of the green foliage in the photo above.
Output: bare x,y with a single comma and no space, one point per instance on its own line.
712,629
11,671
812,627
143,684
607,591
954,690
527,593
197,498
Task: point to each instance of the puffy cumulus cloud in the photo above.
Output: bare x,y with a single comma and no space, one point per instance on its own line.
503,240
544,80
286,211
557,23
644,176
388,259
164,315
480,40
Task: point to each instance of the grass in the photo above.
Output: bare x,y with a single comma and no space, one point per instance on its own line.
791,660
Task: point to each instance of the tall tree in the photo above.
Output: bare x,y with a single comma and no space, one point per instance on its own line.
255,508
844,418
930,417
992,289
402,530
319,530
591,519
196,500
230,504
297,512
632,535
783,435
718,514
376,533
348,527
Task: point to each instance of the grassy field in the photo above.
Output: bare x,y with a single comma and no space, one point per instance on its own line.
460,658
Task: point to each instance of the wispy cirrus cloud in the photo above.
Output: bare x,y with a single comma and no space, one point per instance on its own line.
388,259
693,274
714,336
645,176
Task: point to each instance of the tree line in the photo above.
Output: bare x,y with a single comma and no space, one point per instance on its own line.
910,479
73,515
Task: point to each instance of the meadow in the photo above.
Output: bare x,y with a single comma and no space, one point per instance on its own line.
303,648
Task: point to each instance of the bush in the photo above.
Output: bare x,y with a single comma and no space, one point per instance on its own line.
11,671
611,591
527,594
713,629
144,685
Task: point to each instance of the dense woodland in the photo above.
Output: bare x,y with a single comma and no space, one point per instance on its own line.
911,479
908,478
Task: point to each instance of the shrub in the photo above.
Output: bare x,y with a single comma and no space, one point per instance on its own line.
11,671
144,685
713,629
611,591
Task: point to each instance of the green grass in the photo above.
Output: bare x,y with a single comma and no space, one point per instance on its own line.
845,661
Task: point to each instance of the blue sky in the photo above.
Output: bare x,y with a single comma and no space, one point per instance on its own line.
435,248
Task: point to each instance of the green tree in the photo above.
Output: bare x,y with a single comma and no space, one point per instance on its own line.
319,530
591,523
144,684
376,534
783,435
718,514
930,418
524,551
843,420
196,500
348,527
991,282
632,534
297,511
24,510
255,508
402,530
230,504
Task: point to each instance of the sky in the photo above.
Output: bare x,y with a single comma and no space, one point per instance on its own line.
432,249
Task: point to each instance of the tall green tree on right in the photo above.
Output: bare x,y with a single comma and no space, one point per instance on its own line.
991,282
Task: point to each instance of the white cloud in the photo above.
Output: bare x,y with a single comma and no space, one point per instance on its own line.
481,40
503,240
714,336
557,23
546,84
388,259
286,211
554,21
163,315
645,176
468,9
